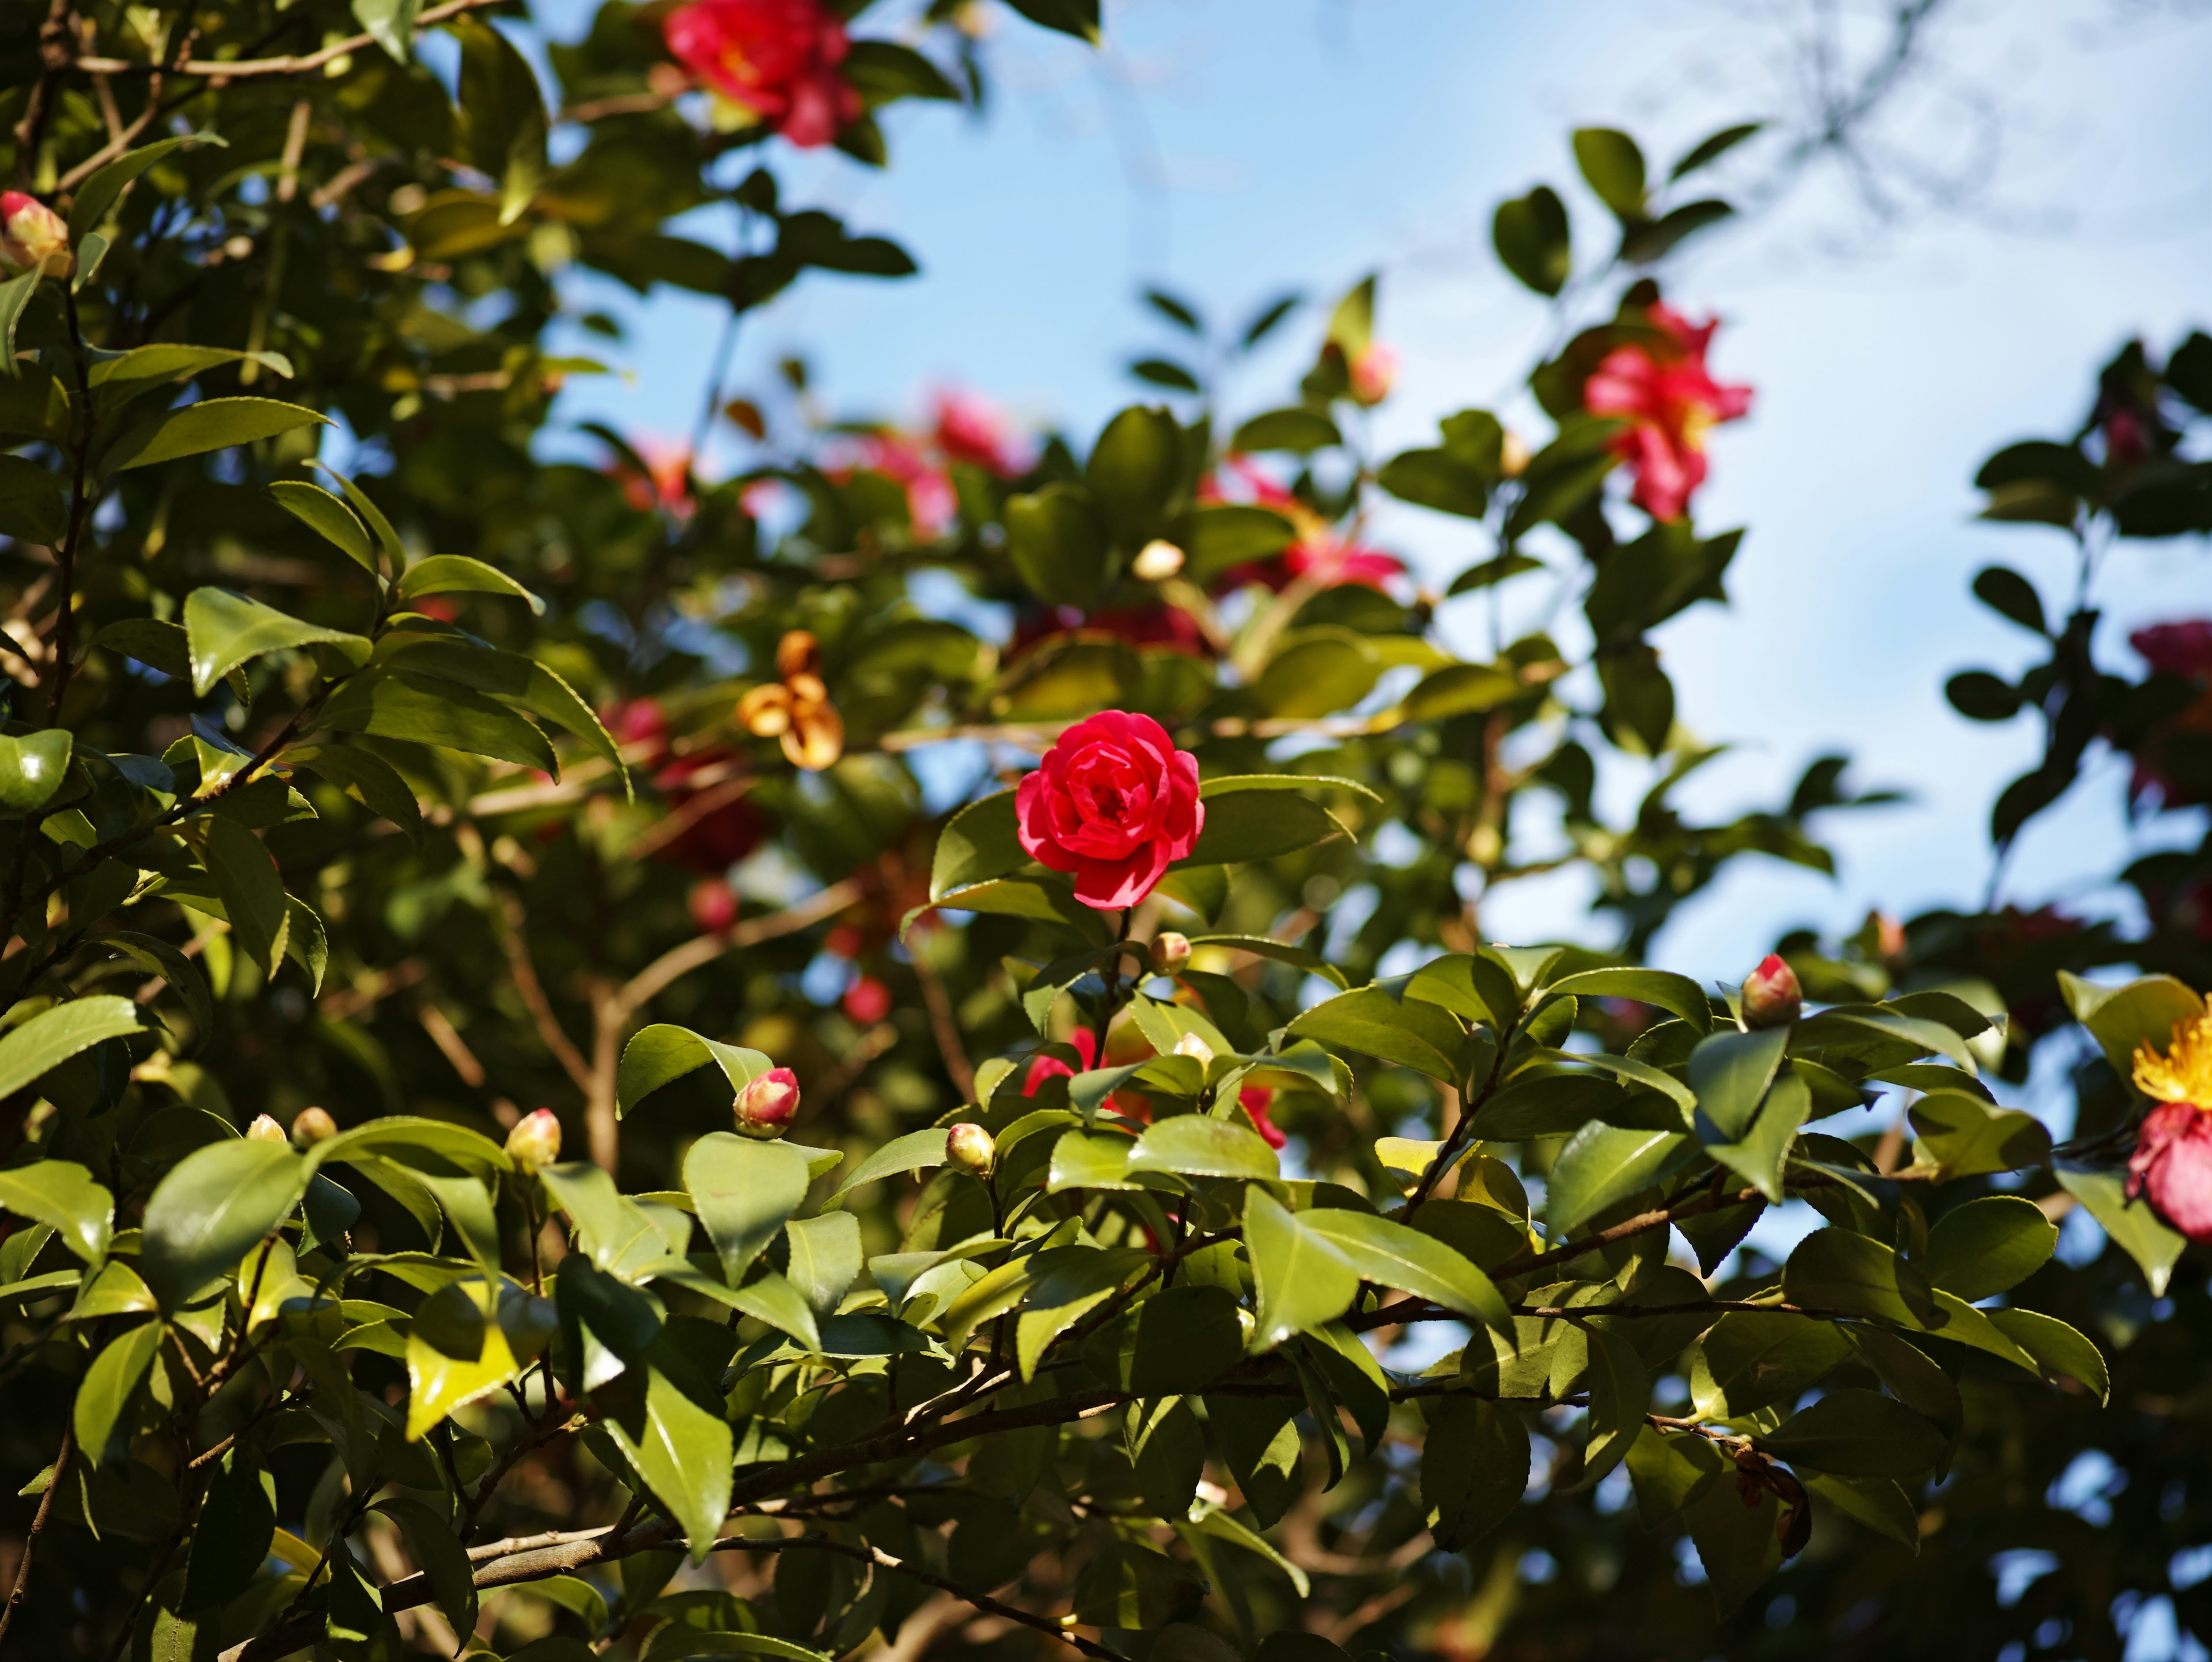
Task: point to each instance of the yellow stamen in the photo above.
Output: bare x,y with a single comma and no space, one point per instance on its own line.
2184,1074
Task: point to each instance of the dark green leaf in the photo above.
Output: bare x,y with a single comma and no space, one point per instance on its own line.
1711,149
661,1054
428,709
1298,430
251,891
1474,1467
102,1414
1421,1035
1601,1165
1836,1269
744,1191
224,630
432,1543
213,1207
1613,166
97,194
448,574
1243,826
1856,1434
1304,1279
212,424
1058,544
31,506
1389,1254
1531,237
1987,1245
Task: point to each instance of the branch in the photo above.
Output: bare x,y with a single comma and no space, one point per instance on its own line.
701,950
31,1541
533,994
220,70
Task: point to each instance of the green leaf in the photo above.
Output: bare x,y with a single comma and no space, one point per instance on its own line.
1058,544
885,70
232,1536
1837,1269
1458,690
32,768
661,1054
1619,1394
1613,168
225,629
913,1151
1133,470
512,676
467,1339
1856,1434
2134,1228
369,780
1435,478
1677,994
1196,1145
2123,1020
1877,1502
328,517
1173,1343
391,23
428,709
1390,1254
502,114
1315,672
31,506
449,573
2058,1349
1418,1035
252,890
825,1257
438,1552
1711,149
97,193
1215,537
1531,237
1261,945
1760,1155
212,424
1987,1245
1669,1473
978,843
1077,17
744,1191
62,1195
1751,1359
1167,1453
1064,1294
52,1036
379,528
1601,1163
1302,1278
1474,1467
1300,432
431,1144
101,1413
15,296
211,1208
1735,1542
1731,1072
1959,1135
1260,824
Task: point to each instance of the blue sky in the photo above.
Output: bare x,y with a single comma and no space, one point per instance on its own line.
1231,149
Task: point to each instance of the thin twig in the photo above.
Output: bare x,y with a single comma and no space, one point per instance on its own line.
221,69
31,1541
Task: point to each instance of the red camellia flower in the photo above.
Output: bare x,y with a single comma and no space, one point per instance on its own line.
1664,391
2171,1166
1083,1041
777,58
710,825
1321,555
1254,1100
1113,802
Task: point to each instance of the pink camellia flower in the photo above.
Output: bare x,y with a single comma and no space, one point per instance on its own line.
1666,394
32,236
931,499
2171,1166
766,1107
777,58
1254,1100
666,482
1083,1041
1114,802
1322,554
969,429
535,1140
1772,996
867,1000
1373,372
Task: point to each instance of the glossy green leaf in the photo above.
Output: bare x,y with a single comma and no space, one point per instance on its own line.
432,1543
53,1036
1390,1254
1749,1359
101,1413
211,1208
1855,1433
62,1195
661,1054
917,1151
1959,1135
32,768
1602,1164
1058,543
1196,1145
1260,824
2123,1020
252,890
449,573
1731,1072
1303,1278
214,424
744,1191
1419,1035
1677,994
369,780
328,517
825,1257
2059,1350
1062,1296
1619,1394
429,709
1835,1270
1987,1245
510,676
2134,1228
227,630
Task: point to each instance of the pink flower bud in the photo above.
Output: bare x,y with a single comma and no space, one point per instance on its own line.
766,1107
32,236
535,1141
1373,372
968,1146
266,1129
312,1126
1170,951
1772,996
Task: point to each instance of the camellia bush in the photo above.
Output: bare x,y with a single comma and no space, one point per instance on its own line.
539,1126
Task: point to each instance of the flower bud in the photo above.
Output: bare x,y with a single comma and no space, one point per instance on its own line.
1512,455
1373,372
766,1107
1157,561
969,1147
1170,951
1190,1044
32,236
1772,996
312,1126
266,1129
535,1141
